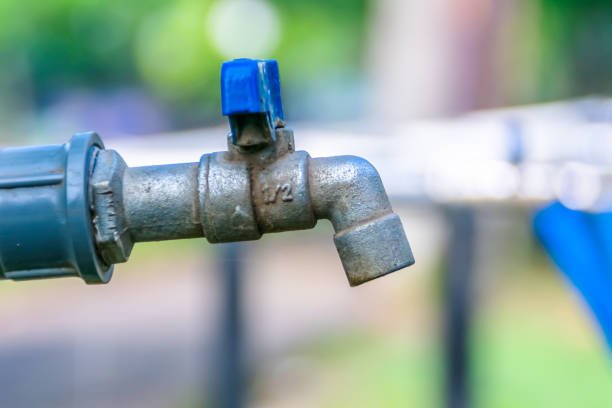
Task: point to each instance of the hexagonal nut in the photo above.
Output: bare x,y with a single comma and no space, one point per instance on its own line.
112,237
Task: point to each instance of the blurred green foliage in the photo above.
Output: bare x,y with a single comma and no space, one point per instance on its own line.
558,49
49,47
575,48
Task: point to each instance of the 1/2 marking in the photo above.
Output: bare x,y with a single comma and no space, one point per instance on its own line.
271,195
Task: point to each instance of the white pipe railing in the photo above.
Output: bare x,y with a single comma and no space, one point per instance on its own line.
521,155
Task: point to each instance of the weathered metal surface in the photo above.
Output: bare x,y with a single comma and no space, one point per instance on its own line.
369,237
161,202
347,190
226,210
110,228
372,249
281,195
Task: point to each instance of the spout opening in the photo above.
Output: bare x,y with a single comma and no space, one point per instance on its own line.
373,249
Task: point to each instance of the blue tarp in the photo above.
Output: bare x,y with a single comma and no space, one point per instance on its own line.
580,244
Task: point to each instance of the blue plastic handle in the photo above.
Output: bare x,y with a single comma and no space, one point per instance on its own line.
250,86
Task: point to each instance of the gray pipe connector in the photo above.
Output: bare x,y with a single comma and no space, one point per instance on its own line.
45,215
77,209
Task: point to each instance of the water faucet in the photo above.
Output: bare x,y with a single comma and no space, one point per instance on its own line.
77,209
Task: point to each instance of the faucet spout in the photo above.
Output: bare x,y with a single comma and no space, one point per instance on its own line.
369,236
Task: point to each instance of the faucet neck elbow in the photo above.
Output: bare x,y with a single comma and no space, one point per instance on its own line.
369,237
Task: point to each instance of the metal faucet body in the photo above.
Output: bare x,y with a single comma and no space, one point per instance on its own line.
100,207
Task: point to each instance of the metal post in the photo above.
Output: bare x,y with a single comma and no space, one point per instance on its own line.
457,305
231,364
